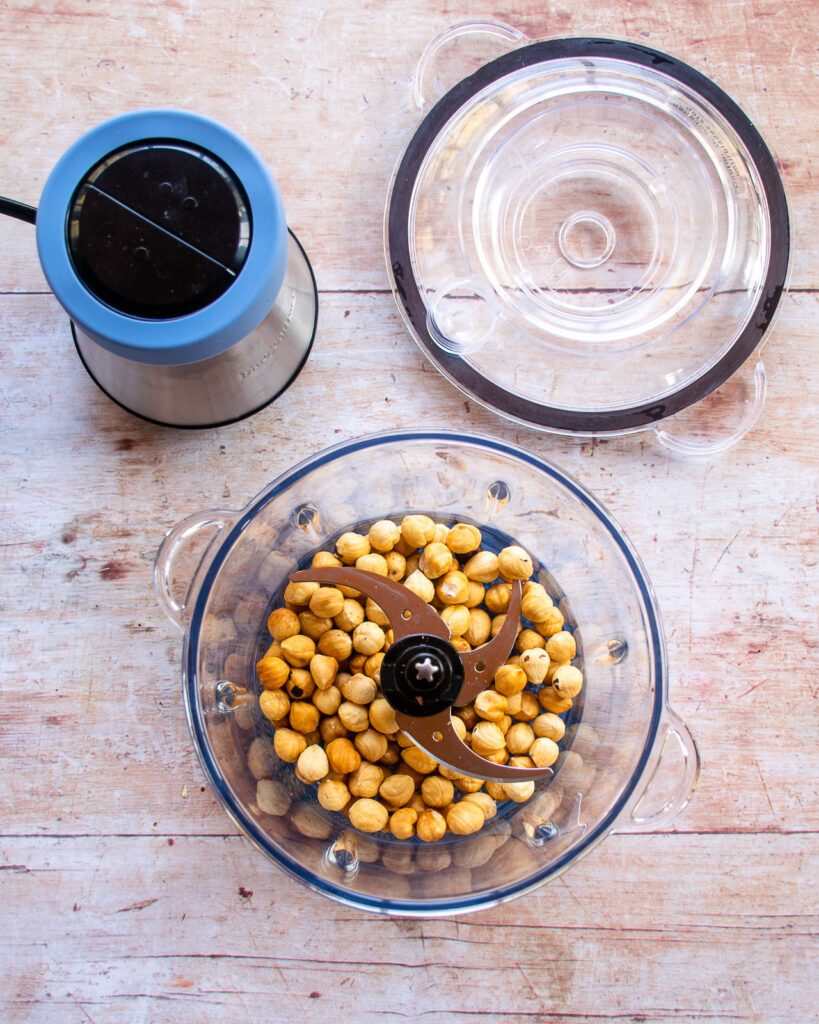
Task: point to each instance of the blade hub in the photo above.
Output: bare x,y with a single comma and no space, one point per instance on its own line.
421,675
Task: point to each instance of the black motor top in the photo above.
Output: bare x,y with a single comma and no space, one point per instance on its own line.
159,229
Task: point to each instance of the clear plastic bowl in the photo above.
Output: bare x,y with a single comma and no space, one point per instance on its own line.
628,763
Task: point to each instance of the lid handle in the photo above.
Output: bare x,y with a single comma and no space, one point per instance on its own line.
423,92
743,396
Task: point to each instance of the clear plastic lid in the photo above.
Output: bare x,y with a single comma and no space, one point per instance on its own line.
587,235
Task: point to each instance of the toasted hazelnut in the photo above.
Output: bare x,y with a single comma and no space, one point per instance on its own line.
535,663
464,818
314,626
456,616
300,684
397,790
436,559
304,717
274,704
373,562
288,744
368,815
567,681
529,707
332,728
332,795
544,752
510,679
515,564
272,672
299,594
466,784
327,602
375,613
484,801
402,822
437,791
430,826
561,646
452,588
498,597
368,638
396,565
420,585
418,760
359,689
325,560
298,650
553,623
372,745
335,643
476,594
327,701
383,535
366,779
480,626
527,640
482,567
382,716
351,546
487,739
353,716
324,670
535,604
519,738
343,756
550,726
372,666
520,792
417,530
312,764
552,701
282,623
490,705
463,538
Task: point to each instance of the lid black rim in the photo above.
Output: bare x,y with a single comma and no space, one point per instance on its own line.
408,293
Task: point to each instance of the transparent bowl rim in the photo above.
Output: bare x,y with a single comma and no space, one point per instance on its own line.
243,821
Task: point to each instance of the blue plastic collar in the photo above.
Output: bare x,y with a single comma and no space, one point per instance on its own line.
208,331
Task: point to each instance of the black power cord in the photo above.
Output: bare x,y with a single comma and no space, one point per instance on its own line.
20,211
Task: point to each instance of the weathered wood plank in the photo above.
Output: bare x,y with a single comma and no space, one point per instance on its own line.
647,928
324,92
715,923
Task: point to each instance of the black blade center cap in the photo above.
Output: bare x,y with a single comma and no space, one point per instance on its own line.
421,675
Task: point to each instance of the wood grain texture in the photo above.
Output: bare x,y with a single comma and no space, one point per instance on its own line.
716,921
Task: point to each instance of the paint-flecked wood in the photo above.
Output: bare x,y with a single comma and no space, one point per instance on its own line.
101,917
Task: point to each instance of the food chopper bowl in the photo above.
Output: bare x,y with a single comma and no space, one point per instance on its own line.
628,762
163,236
586,235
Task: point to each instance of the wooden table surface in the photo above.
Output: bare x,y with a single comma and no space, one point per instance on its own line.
122,879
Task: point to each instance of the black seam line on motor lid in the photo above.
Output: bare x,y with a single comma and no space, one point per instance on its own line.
527,411
153,224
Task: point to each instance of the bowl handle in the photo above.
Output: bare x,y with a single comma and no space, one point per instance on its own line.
672,781
754,382
166,566
477,26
